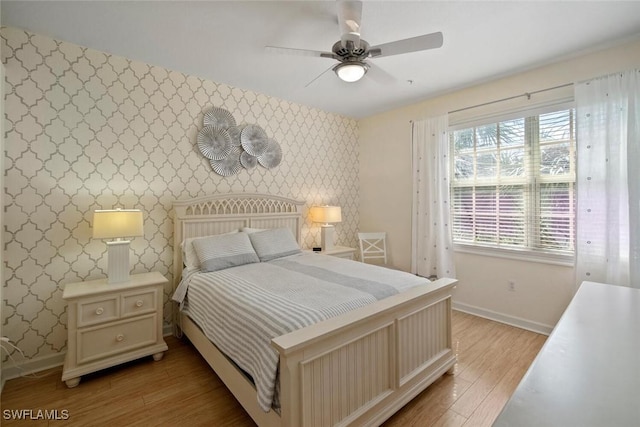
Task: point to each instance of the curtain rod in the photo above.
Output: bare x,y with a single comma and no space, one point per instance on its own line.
527,94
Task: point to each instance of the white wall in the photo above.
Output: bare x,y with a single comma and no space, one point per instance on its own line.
542,290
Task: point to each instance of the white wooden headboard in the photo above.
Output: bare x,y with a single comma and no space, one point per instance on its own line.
221,213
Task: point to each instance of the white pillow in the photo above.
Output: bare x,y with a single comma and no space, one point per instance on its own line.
274,243
250,230
224,251
189,255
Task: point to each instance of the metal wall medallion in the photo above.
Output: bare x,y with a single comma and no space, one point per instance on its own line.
214,142
254,140
248,161
231,147
229,165
234,131
271,156
219,117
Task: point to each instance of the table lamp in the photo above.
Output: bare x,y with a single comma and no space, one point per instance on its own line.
117,224
326,215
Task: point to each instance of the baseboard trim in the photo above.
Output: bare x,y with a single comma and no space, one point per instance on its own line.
35,365
518,322
32,366
167,330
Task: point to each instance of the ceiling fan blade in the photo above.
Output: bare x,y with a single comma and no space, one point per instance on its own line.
414,44
319,75
349,19
379,75
300,52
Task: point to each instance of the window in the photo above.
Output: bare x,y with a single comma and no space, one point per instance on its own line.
513,183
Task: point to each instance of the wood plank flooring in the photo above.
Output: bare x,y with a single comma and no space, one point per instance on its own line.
181,389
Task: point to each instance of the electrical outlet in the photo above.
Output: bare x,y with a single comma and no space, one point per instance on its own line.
511,285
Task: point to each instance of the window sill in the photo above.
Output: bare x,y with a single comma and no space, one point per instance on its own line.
517,254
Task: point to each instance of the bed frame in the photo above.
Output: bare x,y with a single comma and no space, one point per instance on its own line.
354,369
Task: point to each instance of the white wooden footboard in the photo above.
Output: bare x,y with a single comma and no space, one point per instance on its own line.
361,367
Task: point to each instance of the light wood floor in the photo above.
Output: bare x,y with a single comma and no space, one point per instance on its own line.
181,389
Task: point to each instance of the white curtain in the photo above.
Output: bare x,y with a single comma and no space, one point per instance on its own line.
432,253
608,180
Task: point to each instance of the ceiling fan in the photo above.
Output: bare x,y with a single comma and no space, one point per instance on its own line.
352,52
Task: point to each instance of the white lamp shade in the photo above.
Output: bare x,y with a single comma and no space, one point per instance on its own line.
117,223
350,72
326,214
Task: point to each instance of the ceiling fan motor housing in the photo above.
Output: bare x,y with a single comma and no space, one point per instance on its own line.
349,51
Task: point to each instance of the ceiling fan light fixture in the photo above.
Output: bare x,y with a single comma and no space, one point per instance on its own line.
351,71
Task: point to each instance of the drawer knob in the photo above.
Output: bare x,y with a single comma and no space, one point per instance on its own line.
119,337
139,303
99,311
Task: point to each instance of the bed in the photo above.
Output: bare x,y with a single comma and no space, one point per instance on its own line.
390,349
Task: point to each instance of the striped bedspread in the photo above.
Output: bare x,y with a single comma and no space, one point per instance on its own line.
241,309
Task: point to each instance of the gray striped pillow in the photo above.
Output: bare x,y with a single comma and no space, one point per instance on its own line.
189,255
274,243
224,251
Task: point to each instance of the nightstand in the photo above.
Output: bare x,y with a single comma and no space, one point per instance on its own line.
340,252
109,324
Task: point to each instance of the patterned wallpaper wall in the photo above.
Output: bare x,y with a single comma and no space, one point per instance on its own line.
87,130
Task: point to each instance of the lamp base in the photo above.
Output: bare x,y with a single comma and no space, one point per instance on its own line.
326,237
118,261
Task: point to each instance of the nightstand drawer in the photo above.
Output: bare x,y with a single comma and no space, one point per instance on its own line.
97,311
105,341
135,303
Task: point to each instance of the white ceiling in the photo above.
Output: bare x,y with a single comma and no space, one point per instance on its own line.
224,41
